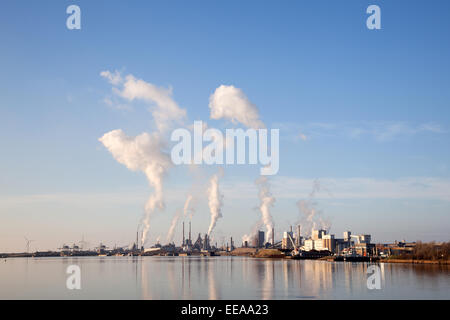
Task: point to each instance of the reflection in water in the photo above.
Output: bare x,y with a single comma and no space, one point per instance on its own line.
213,295
268,280
246,278
217,278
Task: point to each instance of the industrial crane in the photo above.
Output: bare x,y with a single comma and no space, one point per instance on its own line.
295,251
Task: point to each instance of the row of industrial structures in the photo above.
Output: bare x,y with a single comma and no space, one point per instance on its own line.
321,241
318,244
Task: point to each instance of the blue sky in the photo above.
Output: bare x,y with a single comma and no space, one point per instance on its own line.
372,104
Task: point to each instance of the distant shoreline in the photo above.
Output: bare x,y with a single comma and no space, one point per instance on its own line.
412,261
408,261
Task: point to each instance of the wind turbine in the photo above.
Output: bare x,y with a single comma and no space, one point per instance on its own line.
28,244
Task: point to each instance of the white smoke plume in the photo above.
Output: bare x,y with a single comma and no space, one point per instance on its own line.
246,237
145,152
142,153
188,209
231,103
214,200
166,111
173,225
310,216
250,236
266,202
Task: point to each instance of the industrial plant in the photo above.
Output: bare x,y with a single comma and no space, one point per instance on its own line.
293,245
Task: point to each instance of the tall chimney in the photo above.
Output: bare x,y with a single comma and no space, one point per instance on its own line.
183,236
273,237
190,242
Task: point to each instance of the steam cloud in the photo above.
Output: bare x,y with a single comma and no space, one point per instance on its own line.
231,103
266,202
249,237
173,224
214,200
144,152
310,216
188,209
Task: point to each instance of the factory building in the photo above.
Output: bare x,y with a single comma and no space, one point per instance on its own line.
318,234
347,235
259,240
362,238
206,245
361,244
328,242
320,241
309,245
298,237
286,242
365,249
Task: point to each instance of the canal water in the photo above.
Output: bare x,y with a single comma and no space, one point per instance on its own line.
219,278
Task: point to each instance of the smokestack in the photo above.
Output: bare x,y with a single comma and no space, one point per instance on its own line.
137,240
214,200
206,242
291,229
190,241
266,202
183,235
273,237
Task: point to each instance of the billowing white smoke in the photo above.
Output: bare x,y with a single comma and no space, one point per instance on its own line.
266,202
310,216
165,111
214,200
231,103
144,152
251,236
246,237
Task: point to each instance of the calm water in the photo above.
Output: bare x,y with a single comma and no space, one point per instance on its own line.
216,278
